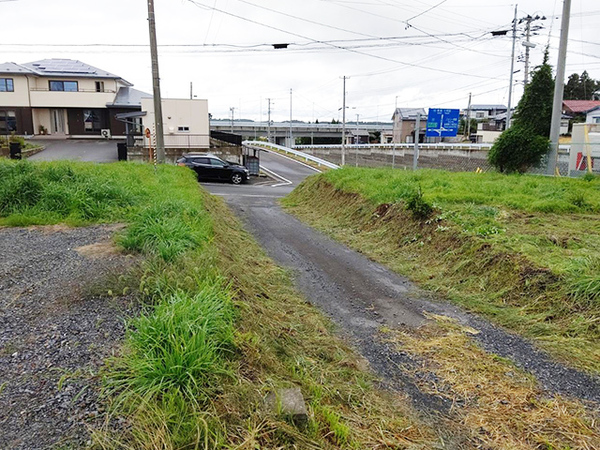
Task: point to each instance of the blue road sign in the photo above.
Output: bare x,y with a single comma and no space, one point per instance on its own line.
442,122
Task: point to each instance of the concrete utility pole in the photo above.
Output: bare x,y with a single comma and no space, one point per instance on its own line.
468,124
191,90
528,45
417,134
291,135
269,121
158,117
512,70
344,124
232,109
559,89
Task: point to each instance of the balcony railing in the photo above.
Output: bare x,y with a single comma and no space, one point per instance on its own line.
105,91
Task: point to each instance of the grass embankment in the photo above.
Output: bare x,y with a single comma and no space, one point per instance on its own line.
523,250
221,326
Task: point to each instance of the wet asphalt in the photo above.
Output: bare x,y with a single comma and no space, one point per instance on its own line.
361,296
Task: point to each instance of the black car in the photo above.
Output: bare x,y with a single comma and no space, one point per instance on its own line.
209,167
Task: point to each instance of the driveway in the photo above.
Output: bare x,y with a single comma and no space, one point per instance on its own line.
77,150
361,296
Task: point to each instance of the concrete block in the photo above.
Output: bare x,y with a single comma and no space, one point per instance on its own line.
288,402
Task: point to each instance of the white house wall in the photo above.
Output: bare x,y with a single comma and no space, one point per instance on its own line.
20,97
41,117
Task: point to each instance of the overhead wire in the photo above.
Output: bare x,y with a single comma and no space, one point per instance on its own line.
203,6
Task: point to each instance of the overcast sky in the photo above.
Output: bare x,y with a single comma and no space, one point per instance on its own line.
418,54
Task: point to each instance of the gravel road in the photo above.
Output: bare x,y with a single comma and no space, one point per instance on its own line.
54,336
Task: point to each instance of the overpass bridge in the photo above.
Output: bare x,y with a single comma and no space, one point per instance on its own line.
280,131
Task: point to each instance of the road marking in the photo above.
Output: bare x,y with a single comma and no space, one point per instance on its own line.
292,159
248,195
276,175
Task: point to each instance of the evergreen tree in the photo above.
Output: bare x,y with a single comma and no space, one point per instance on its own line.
525,143
534,111
581,87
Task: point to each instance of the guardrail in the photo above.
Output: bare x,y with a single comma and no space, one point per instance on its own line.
305,156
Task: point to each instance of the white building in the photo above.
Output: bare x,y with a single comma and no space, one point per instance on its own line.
185,122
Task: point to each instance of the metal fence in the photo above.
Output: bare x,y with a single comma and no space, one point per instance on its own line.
452,157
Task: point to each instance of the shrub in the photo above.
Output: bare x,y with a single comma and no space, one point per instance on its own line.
518,149
416,204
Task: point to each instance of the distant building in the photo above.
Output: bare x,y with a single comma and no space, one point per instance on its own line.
576,108
405,123
63,97
485,112
593,115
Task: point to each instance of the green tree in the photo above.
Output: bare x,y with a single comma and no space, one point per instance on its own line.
534,111
462,124
526,142
580,87
518,149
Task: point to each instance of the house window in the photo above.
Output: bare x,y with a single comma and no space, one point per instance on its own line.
66,86
7,85
91,121
183,129
480,115
99,86
596,119
8,122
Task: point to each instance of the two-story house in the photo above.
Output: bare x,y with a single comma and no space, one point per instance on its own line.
405,123
63,97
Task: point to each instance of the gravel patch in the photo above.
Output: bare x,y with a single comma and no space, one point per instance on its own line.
54,336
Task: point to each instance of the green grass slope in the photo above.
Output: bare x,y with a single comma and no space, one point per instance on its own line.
524,250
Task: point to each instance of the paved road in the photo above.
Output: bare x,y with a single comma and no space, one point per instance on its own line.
78,150
361,296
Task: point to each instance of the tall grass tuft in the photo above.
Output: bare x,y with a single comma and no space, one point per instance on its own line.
180,346
167,229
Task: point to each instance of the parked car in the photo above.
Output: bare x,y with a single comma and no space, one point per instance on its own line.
210,167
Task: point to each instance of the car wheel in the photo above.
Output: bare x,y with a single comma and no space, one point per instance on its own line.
237,178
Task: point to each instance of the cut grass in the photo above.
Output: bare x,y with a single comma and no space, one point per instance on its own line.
532,272
501,405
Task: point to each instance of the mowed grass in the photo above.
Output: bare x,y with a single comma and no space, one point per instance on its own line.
221,325
524,250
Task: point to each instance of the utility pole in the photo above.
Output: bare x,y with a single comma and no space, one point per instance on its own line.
269,121
527,44
232,109
291,135
355,143
417,135
512,70
191,90
344,124
559,89
468,124
158,120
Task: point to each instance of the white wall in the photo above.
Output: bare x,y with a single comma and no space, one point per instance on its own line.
593,116
18,98
179,113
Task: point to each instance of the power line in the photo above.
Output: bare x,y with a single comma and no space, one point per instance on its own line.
202,6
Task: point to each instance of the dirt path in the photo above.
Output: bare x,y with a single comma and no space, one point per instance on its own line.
54,335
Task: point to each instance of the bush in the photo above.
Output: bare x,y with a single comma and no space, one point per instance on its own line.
416,204
518,149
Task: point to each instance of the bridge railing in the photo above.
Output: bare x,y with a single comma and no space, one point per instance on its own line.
298,154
